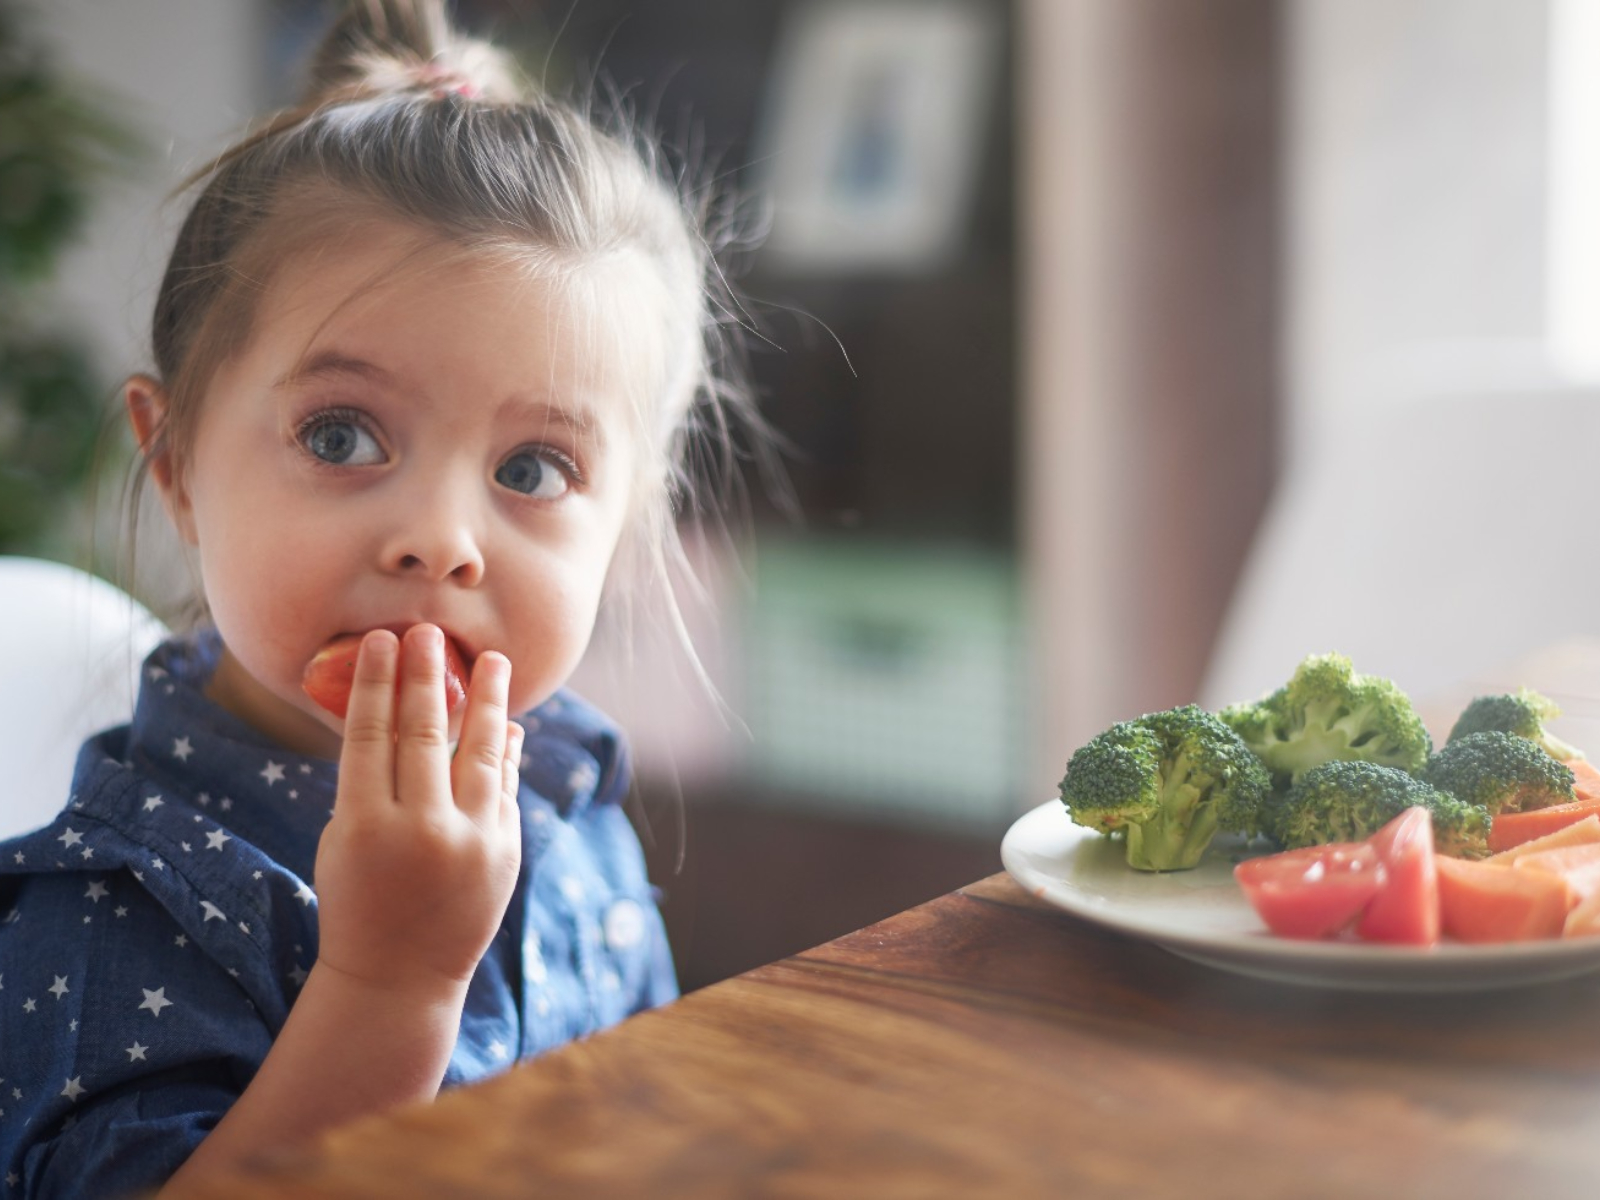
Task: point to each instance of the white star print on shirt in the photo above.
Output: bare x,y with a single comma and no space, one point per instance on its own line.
29,1006
274,848
59,988
70,838
74,1088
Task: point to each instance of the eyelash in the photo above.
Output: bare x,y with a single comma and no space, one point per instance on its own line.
331,416
563,461
567,465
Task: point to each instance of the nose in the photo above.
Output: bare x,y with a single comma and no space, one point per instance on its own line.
435,539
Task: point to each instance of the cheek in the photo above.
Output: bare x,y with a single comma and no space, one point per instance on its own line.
551,635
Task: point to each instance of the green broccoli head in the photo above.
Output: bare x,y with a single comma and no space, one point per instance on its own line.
1328,712
1166,782
1523,713
1499,772
1348,800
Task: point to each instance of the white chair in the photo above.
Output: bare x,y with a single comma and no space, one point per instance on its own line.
1431,540
70,650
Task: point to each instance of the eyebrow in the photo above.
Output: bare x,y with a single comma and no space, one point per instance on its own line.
326,364
580,422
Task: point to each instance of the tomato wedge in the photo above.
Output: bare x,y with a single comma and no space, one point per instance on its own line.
332,670
1406,908
1315,891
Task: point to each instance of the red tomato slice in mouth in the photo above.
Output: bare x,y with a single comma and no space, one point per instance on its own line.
332,670
1313,892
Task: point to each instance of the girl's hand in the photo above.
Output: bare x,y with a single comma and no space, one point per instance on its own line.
415,869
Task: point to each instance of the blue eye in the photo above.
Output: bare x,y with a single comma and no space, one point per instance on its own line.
532,474
341,442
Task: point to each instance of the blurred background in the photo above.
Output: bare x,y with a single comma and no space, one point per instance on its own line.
1063,310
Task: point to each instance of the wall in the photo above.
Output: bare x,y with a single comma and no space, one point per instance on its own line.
185,74
1416,200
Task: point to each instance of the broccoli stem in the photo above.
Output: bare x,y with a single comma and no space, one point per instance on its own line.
1176,837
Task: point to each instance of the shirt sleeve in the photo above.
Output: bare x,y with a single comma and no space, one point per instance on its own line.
122,1042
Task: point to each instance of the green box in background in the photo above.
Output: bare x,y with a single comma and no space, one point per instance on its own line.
887,681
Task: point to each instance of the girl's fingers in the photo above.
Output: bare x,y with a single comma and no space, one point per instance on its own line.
476,772
422,748
511,771
366,762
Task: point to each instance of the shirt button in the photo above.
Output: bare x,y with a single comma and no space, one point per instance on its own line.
624,925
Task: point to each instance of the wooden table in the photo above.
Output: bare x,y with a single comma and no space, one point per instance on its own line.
985,1044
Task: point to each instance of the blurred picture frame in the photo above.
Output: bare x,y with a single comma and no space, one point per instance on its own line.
873,132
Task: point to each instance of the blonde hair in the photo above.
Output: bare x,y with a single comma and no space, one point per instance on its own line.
407,118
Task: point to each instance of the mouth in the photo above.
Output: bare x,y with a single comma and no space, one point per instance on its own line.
453,645
330,674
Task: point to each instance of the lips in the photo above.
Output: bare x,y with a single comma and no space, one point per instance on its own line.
331,672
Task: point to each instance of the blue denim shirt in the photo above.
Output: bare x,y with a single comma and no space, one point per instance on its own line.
154,936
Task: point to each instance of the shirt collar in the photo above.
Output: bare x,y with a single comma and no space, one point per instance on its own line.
236,774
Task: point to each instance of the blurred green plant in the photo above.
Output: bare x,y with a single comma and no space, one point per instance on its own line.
57,141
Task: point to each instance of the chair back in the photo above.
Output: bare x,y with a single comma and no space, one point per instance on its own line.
70,651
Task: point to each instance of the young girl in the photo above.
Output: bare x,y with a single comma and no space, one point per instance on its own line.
425,352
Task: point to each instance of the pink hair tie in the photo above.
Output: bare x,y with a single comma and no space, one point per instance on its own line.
444,82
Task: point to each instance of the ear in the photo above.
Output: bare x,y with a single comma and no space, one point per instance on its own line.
146,401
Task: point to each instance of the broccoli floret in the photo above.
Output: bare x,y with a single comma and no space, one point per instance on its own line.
1166,782
1522,713
1350,800
1500,772
1328,712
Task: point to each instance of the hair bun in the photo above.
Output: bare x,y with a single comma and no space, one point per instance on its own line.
388,47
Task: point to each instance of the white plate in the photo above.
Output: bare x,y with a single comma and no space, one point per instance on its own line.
1202,915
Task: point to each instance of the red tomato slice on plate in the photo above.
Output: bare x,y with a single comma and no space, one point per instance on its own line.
1406,909
331,672
1315,891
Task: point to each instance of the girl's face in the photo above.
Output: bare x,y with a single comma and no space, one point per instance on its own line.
442,441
